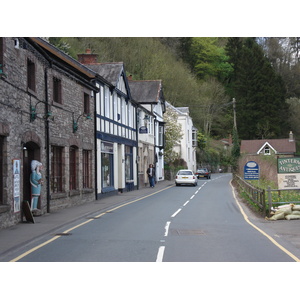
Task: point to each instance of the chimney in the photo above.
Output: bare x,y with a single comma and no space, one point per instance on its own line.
291,137
88,57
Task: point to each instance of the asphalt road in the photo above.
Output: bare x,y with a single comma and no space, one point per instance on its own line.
179,224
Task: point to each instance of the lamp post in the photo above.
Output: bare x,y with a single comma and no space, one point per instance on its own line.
75,123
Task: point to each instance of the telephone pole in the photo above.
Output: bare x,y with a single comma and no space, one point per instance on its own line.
234,114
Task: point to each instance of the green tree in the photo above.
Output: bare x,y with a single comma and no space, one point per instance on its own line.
259,92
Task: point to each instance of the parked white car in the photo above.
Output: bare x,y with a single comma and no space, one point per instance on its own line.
186,177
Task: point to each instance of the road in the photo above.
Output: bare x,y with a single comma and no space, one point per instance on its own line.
178,224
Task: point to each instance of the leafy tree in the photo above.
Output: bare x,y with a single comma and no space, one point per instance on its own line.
173,136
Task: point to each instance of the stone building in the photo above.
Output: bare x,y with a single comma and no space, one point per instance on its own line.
46,107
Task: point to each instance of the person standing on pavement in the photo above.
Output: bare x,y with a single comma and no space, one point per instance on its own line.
151,175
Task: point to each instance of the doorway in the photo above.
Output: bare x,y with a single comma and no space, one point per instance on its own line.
31,151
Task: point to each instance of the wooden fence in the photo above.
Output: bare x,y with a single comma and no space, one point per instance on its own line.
266,199
255,195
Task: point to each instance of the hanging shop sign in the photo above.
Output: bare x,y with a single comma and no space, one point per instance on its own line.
143,129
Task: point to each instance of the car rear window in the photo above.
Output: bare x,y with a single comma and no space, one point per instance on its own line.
185,173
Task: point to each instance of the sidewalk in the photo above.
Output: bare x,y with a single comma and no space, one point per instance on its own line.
22,233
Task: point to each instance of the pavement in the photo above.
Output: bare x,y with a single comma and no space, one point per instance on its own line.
286,233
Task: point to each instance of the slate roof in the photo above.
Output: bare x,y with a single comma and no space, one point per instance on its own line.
145,91
282,146
109,71
60,55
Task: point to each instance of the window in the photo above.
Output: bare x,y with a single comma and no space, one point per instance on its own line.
1,169
267,151
106,102
86,167
161,135
86,103
194,137
57,90
30,75
128,163
73,167
56,169
107,159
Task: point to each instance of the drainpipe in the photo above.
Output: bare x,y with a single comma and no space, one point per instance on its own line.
47,140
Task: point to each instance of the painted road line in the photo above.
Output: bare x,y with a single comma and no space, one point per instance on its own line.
261,231
178,211
192,197
186,203
160,254
83,223
167,228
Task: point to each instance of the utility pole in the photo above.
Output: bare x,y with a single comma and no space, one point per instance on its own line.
234,114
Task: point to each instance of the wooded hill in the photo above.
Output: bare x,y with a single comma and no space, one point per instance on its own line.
205,74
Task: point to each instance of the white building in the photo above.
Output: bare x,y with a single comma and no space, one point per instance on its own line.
116,130
187,146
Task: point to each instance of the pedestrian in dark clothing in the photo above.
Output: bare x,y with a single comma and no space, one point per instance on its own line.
151,175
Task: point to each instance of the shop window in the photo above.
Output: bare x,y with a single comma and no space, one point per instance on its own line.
73,168
107,169
30,75
57,96
86,167
57,169
107,162
128,163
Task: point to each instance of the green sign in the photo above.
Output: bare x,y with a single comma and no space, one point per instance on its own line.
288,165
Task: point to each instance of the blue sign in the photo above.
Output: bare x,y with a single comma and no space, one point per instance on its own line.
143,129
251,171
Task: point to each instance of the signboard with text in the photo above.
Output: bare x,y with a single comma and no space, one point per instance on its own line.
288,176
16,185
288,165
251,171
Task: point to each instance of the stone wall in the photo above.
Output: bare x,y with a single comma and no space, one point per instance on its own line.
16,129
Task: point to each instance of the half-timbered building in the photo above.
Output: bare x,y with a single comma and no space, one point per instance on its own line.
116,130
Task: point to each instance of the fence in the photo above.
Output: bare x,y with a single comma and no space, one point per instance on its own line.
274,197
255,195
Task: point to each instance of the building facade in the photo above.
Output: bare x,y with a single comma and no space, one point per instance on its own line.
149,94
188,143
47,101
116,128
